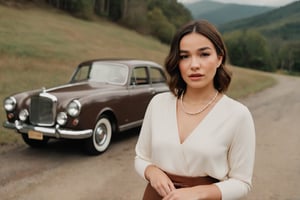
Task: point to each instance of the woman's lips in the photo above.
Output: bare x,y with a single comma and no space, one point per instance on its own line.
196,76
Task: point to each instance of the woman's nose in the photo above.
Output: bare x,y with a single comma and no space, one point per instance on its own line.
195,62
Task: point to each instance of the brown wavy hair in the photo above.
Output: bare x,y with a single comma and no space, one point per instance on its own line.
223,75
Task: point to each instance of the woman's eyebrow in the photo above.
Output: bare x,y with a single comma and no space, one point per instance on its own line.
200,49
183,51
203,48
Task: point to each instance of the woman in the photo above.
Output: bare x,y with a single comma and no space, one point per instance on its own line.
196,142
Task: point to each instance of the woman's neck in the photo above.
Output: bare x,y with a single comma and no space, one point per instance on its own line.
199,96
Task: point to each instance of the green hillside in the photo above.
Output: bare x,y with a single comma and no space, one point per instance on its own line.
201,7
221,13
269,42
42,46
283,22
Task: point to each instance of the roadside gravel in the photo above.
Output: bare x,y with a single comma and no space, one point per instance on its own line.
62,171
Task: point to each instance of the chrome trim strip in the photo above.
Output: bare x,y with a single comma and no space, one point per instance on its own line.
7,124
49,96
130,125
51,132
64,86
53,98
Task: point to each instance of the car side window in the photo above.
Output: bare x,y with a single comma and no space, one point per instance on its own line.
81,74
139,76
157,75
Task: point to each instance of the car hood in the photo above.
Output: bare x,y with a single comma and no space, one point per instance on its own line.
81,90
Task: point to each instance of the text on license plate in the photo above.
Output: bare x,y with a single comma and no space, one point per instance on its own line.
35,135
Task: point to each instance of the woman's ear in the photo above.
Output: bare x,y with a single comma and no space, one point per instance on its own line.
220,59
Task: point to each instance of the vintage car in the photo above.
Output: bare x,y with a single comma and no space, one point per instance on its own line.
103,97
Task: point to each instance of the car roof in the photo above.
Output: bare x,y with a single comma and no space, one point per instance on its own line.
125,61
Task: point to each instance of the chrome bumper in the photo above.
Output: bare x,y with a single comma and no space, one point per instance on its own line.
56,132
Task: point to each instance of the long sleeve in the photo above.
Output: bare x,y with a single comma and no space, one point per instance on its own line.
143,146
241,159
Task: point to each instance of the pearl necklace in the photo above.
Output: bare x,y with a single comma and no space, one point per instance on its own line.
199,111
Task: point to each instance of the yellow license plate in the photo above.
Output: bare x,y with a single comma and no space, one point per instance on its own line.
35,135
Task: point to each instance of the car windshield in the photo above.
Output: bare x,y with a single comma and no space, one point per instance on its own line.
103,72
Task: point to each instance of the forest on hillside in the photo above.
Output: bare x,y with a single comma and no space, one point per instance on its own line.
153,17
267,42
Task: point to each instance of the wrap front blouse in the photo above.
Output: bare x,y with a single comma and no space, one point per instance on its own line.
221,146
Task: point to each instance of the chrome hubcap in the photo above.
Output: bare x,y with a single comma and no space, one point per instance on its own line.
101,134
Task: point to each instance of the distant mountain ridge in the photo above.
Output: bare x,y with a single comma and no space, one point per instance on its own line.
283,22
221,13
278,31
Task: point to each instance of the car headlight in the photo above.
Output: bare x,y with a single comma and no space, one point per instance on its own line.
23,115
61,118
74,108
10,103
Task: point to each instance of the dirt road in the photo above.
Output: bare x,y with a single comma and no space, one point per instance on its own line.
62,171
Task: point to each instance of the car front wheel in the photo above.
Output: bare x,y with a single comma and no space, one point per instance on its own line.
101,138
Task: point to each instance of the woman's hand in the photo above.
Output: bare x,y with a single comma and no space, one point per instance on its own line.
159,180
182,194
198,192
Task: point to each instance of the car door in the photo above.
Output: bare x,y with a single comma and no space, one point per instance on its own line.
158,80
140,92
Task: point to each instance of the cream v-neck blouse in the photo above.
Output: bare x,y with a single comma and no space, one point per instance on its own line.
221,146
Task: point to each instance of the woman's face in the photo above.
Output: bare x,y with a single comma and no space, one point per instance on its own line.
198,61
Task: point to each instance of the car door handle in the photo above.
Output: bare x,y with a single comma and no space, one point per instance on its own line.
153,91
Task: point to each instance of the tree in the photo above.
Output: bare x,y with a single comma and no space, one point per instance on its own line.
175,12
249,48
289,57
80,8
101,7
134,15
84,8
160,26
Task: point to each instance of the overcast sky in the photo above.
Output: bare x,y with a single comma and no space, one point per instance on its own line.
274,3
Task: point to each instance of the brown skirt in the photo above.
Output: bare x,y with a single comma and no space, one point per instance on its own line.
179,182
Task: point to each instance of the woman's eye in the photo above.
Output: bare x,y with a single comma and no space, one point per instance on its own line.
183,57
205,54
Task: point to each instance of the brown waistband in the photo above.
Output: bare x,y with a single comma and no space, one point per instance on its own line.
179,182
183,181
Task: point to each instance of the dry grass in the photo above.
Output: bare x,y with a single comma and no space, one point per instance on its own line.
41,48
247,81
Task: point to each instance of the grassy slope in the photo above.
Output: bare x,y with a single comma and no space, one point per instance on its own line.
41,48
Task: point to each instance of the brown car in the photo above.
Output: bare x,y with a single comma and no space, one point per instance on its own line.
103,97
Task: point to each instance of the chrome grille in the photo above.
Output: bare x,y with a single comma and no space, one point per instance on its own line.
42,110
